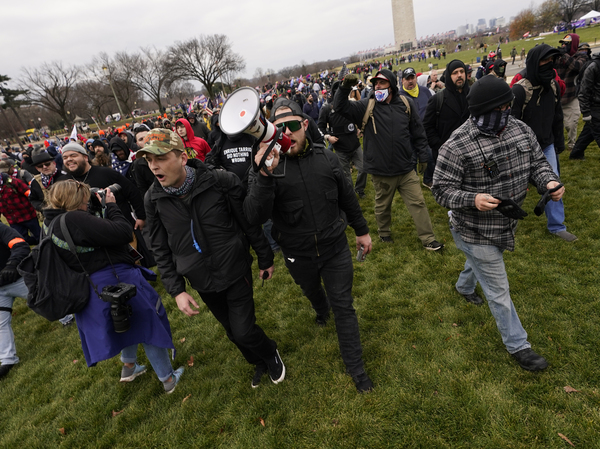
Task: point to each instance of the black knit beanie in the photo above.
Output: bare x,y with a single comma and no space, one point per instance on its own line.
488,93
453,65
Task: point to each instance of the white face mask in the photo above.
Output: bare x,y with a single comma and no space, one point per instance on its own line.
381,95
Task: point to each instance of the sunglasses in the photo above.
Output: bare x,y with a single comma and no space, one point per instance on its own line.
44,164
293,125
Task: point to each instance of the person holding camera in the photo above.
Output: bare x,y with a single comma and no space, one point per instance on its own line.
123,310
198,233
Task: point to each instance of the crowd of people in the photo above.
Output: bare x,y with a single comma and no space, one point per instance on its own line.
192,200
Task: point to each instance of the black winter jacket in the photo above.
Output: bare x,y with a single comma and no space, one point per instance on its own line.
453,113
589,92
311,206
220,229
389,152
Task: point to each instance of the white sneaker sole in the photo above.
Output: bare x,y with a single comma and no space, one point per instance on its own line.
133,376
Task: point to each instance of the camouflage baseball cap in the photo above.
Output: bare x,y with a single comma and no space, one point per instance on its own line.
160,141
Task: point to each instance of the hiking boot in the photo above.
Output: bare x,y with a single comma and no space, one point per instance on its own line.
261,368
529,360
276,368
173,380
128,374
473,298
387,239
321,320
4,369
434,246
566,236
363,383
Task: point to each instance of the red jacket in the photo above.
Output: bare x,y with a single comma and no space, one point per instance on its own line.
191,141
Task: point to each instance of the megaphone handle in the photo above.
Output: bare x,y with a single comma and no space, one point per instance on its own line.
263,160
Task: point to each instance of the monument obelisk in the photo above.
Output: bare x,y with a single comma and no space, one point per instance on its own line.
405,32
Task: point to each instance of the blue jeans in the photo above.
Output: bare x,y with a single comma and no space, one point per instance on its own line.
267,226
158,357
336,272
555,210
486,265
8,293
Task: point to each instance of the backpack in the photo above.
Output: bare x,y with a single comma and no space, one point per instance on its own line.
55,290
528,87
369,113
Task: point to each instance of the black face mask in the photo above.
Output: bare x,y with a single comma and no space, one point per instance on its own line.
546,73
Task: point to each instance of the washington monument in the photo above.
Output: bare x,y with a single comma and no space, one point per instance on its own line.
405,32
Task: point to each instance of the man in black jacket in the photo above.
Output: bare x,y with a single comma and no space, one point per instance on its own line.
310,207
392,135
13,249
589,103
198,232
537,103
342,134
440,122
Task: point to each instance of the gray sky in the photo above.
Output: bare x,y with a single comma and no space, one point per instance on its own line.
268,34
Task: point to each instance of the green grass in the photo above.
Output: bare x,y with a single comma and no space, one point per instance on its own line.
589,34
443,378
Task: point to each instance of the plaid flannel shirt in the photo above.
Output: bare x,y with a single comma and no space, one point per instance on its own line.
459,176
14,200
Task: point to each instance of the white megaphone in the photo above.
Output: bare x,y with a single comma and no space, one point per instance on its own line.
241,113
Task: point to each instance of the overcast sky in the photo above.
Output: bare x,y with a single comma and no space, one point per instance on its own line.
268,34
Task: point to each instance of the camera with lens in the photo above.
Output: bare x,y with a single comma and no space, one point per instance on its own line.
117,296
97,205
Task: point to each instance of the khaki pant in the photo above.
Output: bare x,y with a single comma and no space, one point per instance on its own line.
409,188
571,118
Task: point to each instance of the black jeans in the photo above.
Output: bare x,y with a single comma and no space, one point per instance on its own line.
589,133
336,272
234,309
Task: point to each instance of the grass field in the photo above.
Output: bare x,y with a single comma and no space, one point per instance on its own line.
589,34
443,378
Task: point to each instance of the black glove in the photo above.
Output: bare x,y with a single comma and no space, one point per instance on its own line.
350,81
541,205
510,209
9,274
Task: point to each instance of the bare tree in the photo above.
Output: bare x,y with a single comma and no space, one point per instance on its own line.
51,86
182,90
570,7
548,15
11,100
150,72
205,59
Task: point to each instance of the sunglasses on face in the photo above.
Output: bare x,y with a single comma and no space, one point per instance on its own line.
293,125
44,165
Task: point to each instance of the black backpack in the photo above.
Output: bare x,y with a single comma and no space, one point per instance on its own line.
55,290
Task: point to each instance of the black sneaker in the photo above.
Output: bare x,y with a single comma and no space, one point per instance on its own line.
473,298
321,320
276,368
363,383
4,369
529,360
434,246
261,368
387,239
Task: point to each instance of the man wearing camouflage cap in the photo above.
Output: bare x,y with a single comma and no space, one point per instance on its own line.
198,232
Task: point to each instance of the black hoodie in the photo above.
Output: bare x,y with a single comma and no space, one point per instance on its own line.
439,125
543,112
389,151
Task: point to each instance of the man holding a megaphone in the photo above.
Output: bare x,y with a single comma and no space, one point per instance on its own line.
311,203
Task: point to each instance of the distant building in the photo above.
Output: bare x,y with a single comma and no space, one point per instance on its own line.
461,30
492,23
500,22
481,25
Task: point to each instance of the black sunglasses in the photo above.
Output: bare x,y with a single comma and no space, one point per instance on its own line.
44,164
293,125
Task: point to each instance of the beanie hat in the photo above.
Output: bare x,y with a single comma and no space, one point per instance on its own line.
488,93
453,65
74,147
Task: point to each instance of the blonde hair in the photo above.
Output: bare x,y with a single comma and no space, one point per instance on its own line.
68,195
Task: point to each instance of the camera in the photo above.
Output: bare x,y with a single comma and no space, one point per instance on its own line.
117,296
114,188
97,205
